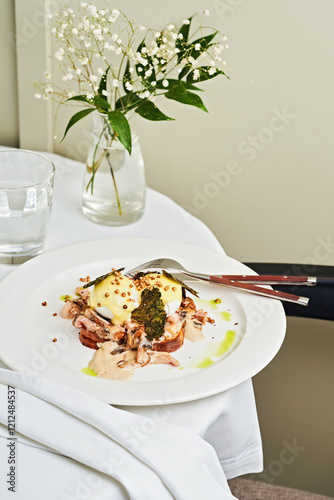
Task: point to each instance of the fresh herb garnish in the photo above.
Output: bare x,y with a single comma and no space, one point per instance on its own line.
151,313
171,277
101,278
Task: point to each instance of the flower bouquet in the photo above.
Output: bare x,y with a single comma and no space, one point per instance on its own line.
114,67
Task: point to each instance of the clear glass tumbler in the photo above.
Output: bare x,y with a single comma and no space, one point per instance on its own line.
26,193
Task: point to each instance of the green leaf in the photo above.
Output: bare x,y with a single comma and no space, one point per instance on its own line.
190,51
103,85
184,71
101,102
181,94
181,44
81,98
128,102
121,126
126,76
149,111
75,118
174,81
204,41
204,74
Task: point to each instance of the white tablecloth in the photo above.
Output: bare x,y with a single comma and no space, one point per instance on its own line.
228,421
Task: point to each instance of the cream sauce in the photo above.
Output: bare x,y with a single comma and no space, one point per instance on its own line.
192,333
104,364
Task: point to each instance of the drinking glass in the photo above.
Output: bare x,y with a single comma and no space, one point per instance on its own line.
26,192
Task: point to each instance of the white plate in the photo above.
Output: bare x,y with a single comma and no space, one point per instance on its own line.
28,327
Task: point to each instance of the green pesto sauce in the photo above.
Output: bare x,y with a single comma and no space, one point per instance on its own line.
65,297
226,316
88,371
215,350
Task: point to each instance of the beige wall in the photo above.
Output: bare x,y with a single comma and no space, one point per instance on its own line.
273,123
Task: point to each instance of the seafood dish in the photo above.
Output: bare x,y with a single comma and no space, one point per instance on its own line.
133,322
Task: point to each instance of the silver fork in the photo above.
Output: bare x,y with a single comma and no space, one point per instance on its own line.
173,265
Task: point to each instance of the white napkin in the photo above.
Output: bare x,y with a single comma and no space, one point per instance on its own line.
129,455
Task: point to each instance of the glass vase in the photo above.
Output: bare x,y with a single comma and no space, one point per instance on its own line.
114,185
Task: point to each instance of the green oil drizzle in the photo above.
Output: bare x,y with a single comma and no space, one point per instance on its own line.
208,304
88,371
215,350
65,297
226,344
226,316
204,363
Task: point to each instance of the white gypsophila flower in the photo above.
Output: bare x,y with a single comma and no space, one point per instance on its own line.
94,78
83,4
100,71
106,93
185,21
157,34
148,72
197,46
59,55
90,95
84,61
196,74
118,50
165,83
47,75
38,95
128,86
78,71
87,44
70,93
97,55
206,12
212,71
75,31
142,28
114,37
93,10
115,83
